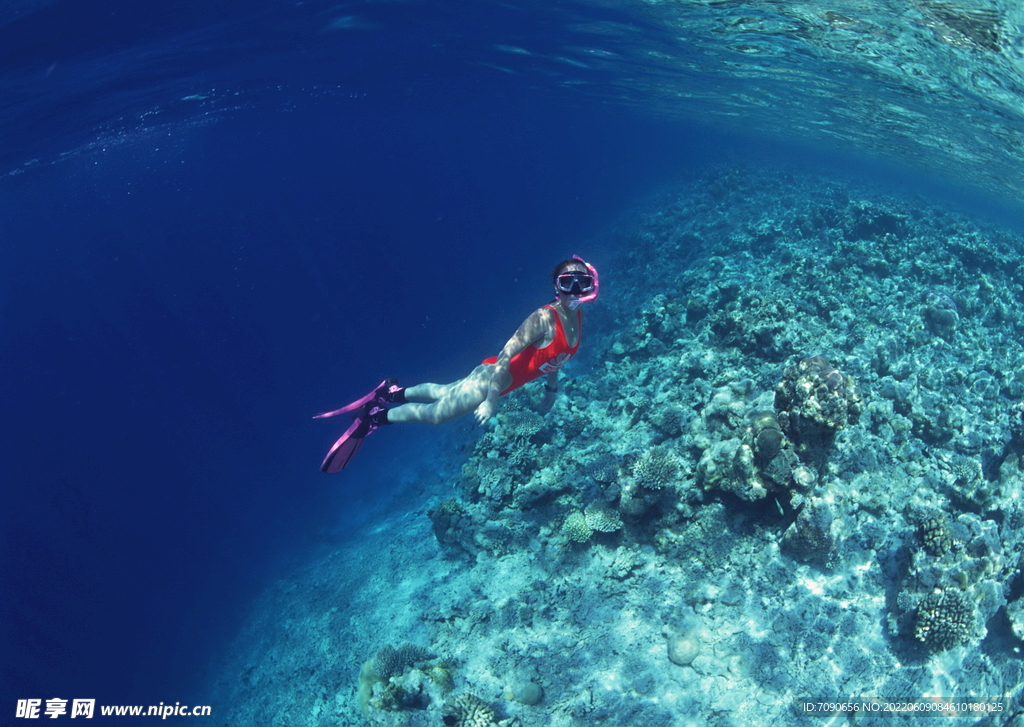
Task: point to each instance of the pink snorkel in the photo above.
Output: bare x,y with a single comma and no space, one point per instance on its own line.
592,295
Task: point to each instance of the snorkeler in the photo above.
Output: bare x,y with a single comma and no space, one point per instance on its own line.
545,341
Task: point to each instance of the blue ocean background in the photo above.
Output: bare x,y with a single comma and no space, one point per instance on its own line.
219,219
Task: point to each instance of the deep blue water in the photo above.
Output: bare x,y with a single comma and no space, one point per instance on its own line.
176,306
218,219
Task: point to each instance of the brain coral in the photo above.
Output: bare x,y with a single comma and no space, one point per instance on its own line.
390,662
766,436
669,420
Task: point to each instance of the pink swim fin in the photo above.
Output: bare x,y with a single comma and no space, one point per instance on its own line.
368,410
346,447
359,403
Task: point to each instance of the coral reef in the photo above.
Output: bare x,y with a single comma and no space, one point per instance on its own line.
941,313
757,459
811,537
715,521
815,400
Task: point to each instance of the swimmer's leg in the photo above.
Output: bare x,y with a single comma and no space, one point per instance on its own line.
442,403
427,392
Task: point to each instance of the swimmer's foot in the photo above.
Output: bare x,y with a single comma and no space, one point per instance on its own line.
388,392
367,420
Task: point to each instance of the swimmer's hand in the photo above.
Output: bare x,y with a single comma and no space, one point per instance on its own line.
489,406
485,411
547,402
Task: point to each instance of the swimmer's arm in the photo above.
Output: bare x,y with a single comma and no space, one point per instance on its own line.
533,329
550,392
551,387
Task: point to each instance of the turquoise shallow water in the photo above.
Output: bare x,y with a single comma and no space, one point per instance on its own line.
934,85
929,84
789,473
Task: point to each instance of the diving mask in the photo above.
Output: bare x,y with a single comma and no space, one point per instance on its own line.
584,287
575,283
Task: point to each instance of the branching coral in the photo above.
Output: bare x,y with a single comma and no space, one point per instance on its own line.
604,468
602,519
521,424
656,468
576,528
467,710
